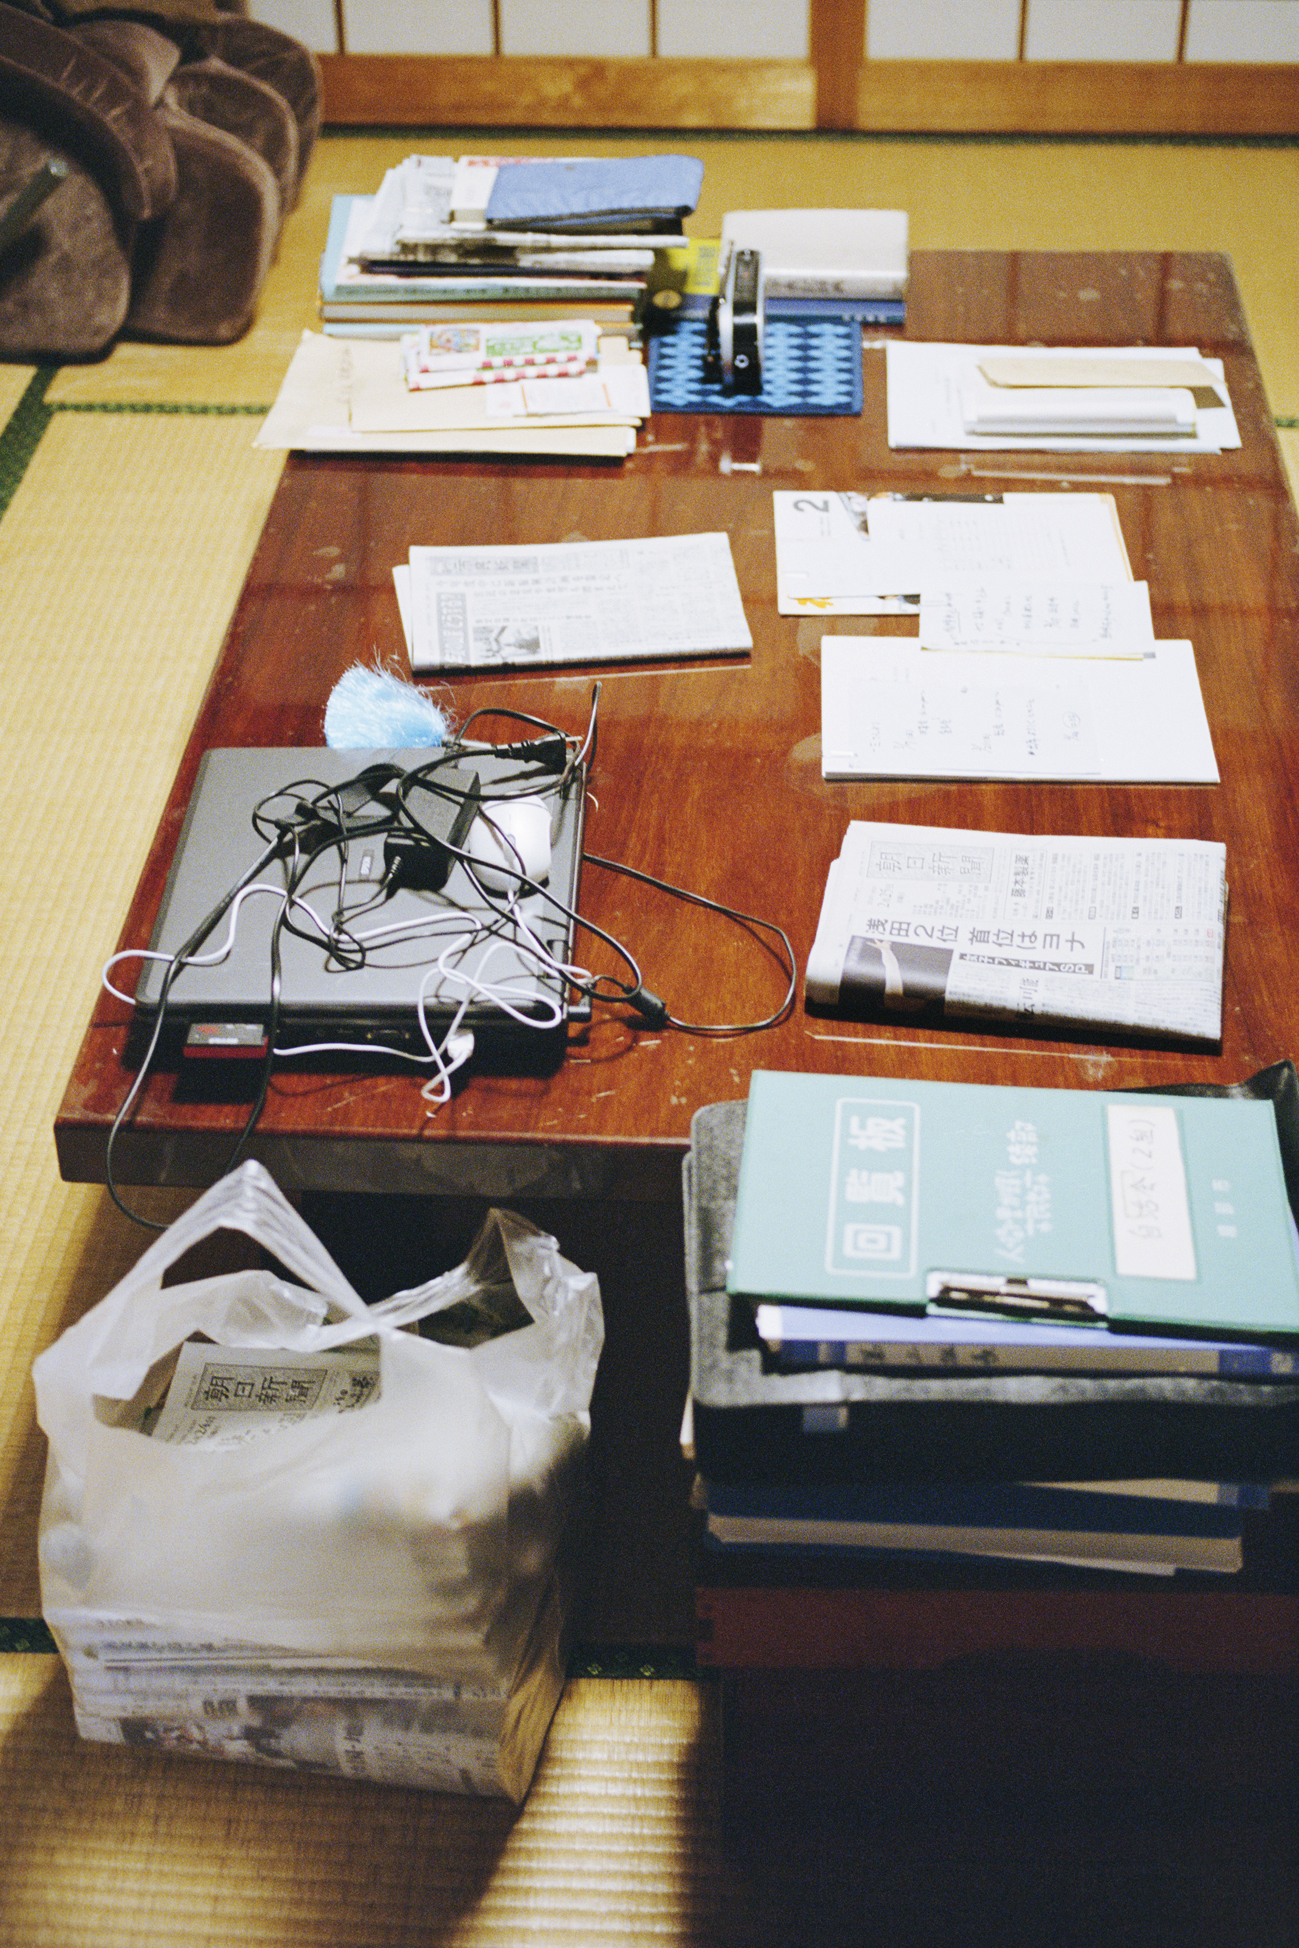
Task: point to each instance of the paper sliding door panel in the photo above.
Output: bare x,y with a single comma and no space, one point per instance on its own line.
614,29
758,30
1243,30
942,30
1102,30
429,27
312,22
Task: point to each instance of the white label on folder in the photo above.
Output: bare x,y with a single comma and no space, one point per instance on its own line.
874,1203
1151,1211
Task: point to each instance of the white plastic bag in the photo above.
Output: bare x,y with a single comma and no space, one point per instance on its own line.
417,1534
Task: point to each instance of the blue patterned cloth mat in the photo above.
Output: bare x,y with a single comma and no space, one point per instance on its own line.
810,366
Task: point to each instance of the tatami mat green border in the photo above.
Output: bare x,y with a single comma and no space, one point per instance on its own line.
26,425
22,434
31,1634
175,406
25,1634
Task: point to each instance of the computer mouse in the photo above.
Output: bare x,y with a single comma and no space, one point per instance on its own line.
515,843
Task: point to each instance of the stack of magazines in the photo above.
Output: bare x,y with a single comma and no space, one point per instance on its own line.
491,239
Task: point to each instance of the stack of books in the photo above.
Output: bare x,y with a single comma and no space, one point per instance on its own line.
984,1368
493,239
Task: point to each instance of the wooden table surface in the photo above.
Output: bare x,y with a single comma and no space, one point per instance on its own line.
708,772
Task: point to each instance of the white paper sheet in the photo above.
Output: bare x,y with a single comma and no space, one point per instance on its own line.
991,612
890,709
853,554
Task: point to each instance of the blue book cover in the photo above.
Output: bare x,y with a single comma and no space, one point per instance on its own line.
560,193
1159,1214
980,1505
800,1338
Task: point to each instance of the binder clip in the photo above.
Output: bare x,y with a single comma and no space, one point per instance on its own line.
733,339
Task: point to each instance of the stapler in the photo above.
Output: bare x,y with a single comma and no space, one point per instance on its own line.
733,339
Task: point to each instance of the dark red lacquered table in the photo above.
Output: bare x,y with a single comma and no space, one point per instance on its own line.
708,772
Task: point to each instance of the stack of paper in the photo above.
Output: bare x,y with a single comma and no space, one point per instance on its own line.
1129,398
352,397
484,237
854,554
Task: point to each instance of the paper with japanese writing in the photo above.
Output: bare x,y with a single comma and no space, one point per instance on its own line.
1119,932
860,554
892,710
1037,618
222,1396
584,601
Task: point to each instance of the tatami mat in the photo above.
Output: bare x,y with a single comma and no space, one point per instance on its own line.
616,1844
14,380
990,195
115,604
1289,441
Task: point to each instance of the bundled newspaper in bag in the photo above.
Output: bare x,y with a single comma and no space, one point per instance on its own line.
279,1526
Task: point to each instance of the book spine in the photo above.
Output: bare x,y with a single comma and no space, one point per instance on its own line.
516,290
1245,1362
778,284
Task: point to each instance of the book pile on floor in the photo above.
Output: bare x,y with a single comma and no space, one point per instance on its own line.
983,1369
493,239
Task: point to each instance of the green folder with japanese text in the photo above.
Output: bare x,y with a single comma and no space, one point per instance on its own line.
1128,1211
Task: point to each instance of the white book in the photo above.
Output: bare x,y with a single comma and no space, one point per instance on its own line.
825,253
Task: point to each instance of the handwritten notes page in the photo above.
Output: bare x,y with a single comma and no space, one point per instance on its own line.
890,709
993,612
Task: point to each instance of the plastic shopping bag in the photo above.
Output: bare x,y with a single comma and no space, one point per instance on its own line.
280,1525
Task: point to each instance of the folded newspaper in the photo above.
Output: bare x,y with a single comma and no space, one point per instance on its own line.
1087,932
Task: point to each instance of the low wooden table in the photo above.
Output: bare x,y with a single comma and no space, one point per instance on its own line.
708,772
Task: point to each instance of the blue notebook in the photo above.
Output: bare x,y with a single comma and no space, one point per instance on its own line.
631,189
811,367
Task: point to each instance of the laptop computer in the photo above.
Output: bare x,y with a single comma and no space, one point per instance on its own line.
392,944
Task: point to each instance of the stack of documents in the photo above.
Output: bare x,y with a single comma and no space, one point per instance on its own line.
1051,668
1151,1526
859,554
571,602
353,397
1131,398
483,237
1102,933
904,1257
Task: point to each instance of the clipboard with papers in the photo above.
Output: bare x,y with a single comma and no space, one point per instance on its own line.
1119,1211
